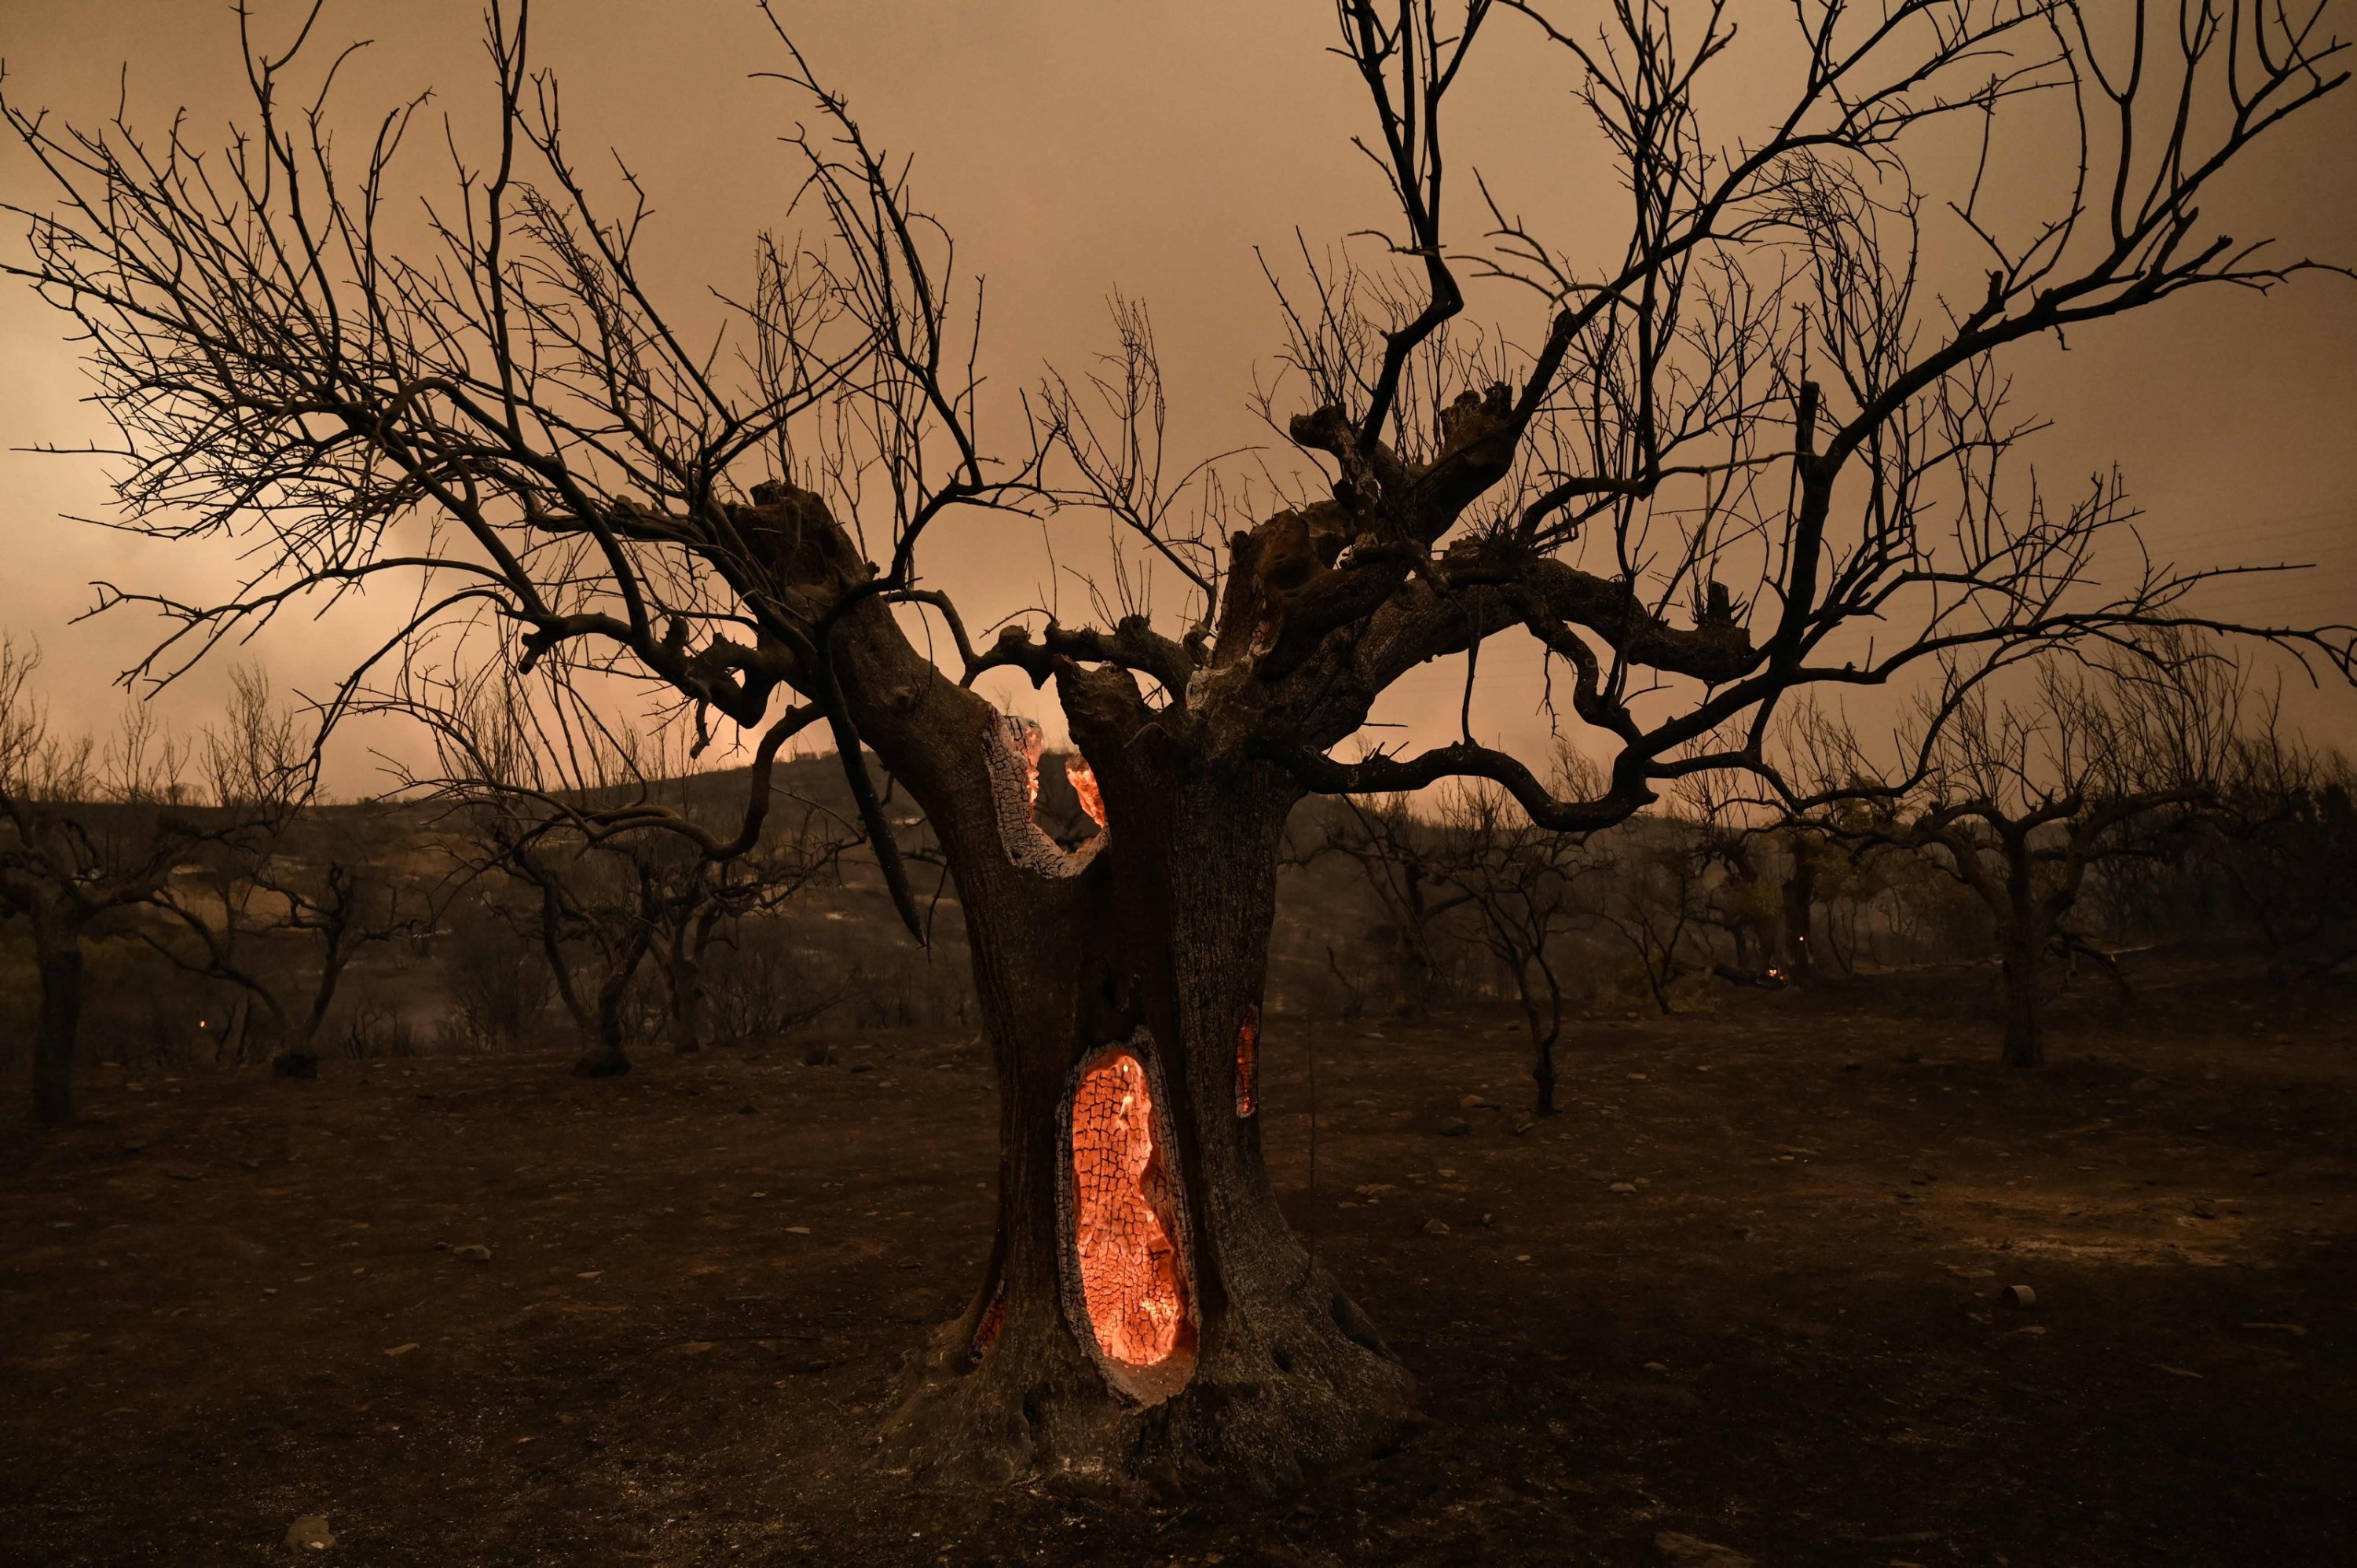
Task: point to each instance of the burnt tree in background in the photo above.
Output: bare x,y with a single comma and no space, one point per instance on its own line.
548,802
1694,458
2020,797
1524,882
90,838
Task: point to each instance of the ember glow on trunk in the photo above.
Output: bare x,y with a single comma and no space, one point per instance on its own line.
1124,1232
1248,1063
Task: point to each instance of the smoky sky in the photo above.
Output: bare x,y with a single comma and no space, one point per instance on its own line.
1077,148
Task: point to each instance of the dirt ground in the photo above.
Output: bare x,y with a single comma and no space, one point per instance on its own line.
1745,1287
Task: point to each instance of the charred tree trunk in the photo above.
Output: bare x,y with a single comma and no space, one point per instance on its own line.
1152,942
606,1057
2024,1039
2022,929
683,970
1800,904
1546,1025
1543,1075
59,1028
686,1005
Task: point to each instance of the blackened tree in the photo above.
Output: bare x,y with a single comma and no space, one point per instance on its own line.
1530,888
2019,798
1696,460
89,838
1405,867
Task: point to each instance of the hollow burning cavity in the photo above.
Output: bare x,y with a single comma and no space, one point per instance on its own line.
1124,1232
1011,748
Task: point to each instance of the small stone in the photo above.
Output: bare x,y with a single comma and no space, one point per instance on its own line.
1456,1127
183,1173
1436,1226
797,1230
2205,1209
745,1110
401,1349
309,1533
1659,1367
1637,1078
1676,1550
2018,1295
1622,1187
474,1252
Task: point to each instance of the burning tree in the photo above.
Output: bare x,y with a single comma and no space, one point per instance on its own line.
1694,458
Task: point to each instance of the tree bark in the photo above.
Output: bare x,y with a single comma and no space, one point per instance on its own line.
1542,1035
604,1057
59,1029
2024,1041
1161,941
1799,904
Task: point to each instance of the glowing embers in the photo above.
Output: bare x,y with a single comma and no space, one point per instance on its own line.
1011,749
993,1319
1084,786
1125,1225
1248,1062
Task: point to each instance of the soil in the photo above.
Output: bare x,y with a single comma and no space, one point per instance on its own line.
1746,1287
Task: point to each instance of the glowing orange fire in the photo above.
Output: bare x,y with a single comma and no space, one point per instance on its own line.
1084,785
1076,768
1129,1265
1248,1063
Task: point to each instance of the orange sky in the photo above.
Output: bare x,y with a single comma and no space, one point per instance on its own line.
1076,148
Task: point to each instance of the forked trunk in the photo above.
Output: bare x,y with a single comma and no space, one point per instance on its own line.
59,1030
1146,1317
604,1057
